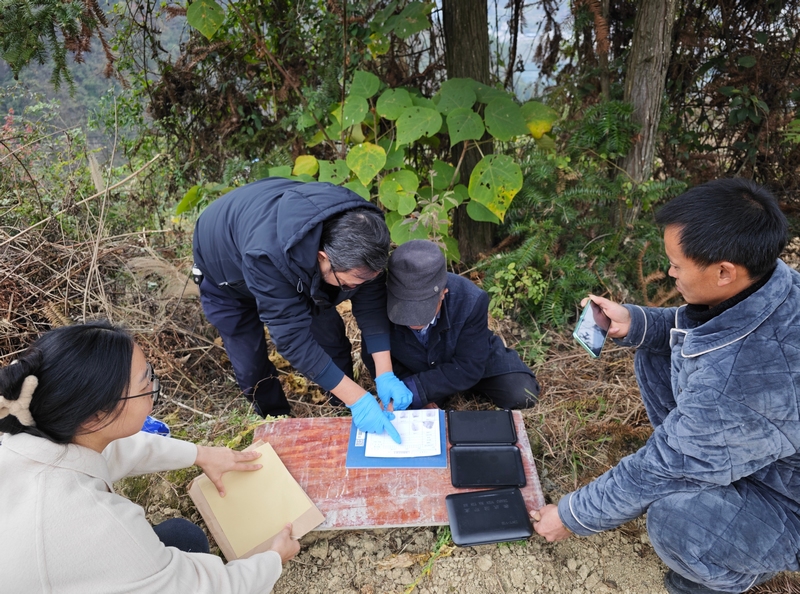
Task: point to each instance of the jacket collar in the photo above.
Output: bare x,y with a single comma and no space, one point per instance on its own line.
738,321
70,457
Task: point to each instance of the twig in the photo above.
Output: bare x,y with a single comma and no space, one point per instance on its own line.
189,408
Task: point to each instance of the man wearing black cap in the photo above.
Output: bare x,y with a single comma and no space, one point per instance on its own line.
440,338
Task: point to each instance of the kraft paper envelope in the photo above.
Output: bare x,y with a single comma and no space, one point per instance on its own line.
256,507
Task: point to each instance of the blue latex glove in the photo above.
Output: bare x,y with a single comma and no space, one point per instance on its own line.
391,388
368,416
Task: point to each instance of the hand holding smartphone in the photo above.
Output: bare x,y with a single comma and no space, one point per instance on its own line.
592,329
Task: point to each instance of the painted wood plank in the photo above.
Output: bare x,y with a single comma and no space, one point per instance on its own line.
314,452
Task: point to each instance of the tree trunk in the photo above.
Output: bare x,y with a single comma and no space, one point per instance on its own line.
644,84
466,32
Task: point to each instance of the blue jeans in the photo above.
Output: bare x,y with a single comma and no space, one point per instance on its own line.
723,537
236,319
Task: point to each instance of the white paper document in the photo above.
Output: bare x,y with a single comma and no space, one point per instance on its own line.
419,432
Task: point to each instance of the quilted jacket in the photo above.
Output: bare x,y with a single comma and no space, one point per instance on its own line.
733,402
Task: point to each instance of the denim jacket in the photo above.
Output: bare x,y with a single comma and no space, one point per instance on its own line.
731,407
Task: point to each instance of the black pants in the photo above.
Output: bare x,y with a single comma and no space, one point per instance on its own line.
183,535
510,390
236,319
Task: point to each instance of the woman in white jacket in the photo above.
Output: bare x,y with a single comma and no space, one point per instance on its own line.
71,408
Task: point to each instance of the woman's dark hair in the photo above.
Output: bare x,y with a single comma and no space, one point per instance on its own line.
356,240
82,370
728,220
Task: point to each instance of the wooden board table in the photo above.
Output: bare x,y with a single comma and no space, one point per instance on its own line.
314,452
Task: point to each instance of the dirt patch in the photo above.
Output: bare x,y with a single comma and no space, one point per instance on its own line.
361,563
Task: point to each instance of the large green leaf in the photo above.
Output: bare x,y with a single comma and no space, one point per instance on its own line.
392,217
460,194
464,124
281,171
538,117
355,110
306,164
383,21
366,160
397,191
365,84
206,16
478,212
334,172
420,101
443,174
395,156
504,119
456,93
358,188
416,122
392,102
494,182
486,93
413,19
451,251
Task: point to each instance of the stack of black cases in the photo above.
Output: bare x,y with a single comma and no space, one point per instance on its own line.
484,454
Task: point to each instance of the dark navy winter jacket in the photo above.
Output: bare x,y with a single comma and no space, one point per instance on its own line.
461,349
735,399
260,241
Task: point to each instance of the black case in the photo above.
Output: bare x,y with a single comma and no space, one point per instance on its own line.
485,517
484,427
486,466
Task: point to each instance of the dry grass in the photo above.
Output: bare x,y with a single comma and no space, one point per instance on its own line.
588,417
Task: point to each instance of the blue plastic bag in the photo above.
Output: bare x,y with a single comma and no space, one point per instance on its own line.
152,425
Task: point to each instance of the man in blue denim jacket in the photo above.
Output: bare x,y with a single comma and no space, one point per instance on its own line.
720,476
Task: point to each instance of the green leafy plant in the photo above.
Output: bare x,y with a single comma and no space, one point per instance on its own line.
512,287
400,148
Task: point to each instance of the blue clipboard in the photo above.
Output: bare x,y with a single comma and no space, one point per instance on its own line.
358,443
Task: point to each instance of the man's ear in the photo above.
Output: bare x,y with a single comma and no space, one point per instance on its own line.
728,274
321,256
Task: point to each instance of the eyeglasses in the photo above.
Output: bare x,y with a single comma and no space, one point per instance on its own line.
342,288
154,381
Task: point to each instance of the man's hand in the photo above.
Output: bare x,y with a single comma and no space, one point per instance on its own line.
285,545
391,389
619,316
368,416
547,523
217,461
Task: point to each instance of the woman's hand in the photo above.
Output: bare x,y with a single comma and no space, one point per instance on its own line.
619,316
547,523
285,545
217,461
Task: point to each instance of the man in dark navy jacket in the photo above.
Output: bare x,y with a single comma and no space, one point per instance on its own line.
284,253
441,342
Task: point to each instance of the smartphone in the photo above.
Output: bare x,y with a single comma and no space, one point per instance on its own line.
592,329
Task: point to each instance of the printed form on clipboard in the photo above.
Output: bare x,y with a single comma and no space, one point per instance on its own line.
422,435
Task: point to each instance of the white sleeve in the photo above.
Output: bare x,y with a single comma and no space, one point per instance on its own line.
146,452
